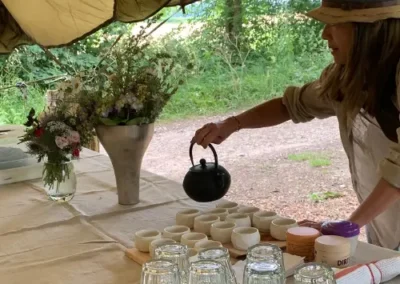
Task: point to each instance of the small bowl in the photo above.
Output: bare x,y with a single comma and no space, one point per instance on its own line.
240,219
175,232
245,237
220,212
202,245
280,226
193,255
143,238
190,239
231,206
186,217
248,211
202,223
222,231
262,220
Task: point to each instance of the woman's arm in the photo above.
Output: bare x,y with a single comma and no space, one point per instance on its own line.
270,113
382,197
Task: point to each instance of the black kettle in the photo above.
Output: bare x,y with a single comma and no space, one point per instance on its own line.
206,182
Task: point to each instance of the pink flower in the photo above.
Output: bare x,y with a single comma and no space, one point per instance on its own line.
61,142
74,137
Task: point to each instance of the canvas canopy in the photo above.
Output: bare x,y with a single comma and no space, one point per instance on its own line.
52,23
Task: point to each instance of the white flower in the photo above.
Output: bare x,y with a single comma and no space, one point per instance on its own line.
76,85
61,142
54,126
74,137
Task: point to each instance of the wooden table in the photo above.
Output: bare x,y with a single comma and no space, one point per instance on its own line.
84,241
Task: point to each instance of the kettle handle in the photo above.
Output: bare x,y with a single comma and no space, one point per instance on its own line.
212,149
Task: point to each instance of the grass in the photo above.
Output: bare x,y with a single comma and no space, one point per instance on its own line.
219,90
314,159
323,196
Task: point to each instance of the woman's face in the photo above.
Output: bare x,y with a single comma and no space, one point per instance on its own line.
340,40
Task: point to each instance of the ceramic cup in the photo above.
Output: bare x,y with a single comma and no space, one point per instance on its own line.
186,217
245,237
202,245
193,255
279,227
240,219
262,220
231,206
143,238
202,223
175,232
222,231
159,242
248,210
190,239
220,212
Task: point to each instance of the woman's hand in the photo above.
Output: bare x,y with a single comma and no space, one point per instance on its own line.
311,224
215,133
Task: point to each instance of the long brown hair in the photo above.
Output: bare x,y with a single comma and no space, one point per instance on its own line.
369,77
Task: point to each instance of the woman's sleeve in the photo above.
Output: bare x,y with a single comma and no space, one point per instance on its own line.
389,167
304,103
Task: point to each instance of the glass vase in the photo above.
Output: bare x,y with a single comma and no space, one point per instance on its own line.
62,185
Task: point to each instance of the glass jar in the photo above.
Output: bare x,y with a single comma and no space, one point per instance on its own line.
63,187
313,273
220,255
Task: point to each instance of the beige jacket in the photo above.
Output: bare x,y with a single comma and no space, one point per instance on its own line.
304,104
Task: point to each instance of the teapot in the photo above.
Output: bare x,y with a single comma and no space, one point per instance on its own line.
206,182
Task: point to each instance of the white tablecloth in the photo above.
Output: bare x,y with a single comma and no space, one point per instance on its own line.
84,241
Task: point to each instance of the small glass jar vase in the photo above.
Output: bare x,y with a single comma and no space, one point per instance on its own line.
59,181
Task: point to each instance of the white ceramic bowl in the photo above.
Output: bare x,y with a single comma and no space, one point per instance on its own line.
245,237
240,219
262,220
222,231
186,217
190,239
143,238
231,206
220,212
175,232
279,227
248,210
202,223
202,245
193,255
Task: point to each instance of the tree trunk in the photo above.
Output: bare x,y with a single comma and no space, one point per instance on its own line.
234,20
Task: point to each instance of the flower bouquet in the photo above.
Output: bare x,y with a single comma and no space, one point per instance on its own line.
56,136
120,99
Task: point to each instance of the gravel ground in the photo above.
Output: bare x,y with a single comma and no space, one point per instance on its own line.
262,173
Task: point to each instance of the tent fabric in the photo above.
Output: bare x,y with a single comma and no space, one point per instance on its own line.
52,23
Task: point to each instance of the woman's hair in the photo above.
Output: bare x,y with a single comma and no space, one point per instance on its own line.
369,77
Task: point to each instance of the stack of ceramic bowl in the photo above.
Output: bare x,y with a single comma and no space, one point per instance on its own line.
230,223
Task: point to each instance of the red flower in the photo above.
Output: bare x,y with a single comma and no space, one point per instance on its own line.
39,132
75,153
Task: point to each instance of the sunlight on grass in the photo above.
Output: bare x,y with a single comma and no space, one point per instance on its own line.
323,196
314,159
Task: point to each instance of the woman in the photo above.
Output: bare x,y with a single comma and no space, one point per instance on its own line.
362,89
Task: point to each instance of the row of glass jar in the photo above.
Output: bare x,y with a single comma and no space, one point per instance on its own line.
264,264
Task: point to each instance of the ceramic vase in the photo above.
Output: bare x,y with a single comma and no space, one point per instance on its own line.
126,146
